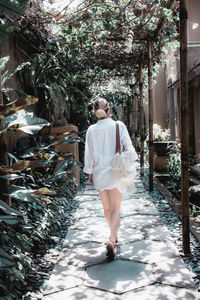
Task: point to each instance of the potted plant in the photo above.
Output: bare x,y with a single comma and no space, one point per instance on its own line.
161,145
161,140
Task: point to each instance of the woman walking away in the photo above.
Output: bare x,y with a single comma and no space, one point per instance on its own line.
100,149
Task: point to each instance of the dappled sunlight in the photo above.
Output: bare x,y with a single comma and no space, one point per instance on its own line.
158,233
86,198
158,292
75,237
139,221
173,272
82,292
83,255
148,251
64,277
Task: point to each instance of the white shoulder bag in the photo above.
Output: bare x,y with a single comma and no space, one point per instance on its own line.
123,168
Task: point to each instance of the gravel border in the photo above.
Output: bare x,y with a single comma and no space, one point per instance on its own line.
174,226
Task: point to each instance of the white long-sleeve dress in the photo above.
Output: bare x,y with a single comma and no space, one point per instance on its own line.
100,148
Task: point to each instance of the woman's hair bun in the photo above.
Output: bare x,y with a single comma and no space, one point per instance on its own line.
101,108
100,113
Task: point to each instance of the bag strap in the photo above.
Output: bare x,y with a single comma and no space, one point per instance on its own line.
118,148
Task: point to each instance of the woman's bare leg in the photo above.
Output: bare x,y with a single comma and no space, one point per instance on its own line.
106,205
115,202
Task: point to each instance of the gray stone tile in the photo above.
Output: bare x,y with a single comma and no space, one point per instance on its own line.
174,272
119,276
125,235
90,224
141,221
89,187
150,210
91,205
148,251
82,292
64,277
161,292
75,237
86,213
144,195
83,255
158,233
135,208
85,198
129,235
91,192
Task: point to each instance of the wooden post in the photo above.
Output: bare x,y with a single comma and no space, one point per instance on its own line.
141,121
3,157
128,113
150,94
134,117
184,129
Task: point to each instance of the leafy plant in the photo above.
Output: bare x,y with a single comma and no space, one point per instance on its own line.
160,134
174,167
9,10
41,190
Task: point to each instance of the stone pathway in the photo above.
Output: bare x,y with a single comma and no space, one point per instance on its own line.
147,264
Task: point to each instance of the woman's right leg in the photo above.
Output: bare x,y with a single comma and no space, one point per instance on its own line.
115,197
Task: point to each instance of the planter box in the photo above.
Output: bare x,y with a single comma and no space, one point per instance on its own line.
161,148
160,163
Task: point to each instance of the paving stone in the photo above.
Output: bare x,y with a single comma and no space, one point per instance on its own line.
83,255
88,187
128,235
94,205
91,192
141,221
64,277
134,208
158,233
86,198
150,210
119,276
82,292
174,272
138,201
86,213
138,197
148,251
125,235
161,292
75,237
90,224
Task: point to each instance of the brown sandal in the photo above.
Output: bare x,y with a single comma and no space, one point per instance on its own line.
110,249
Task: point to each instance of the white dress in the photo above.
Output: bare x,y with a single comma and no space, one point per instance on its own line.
100,148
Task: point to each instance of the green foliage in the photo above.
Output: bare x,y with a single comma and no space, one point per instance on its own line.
160,134
41,191
174,167
40,198
195,211
9,11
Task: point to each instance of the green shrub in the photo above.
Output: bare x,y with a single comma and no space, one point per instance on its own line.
174,167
